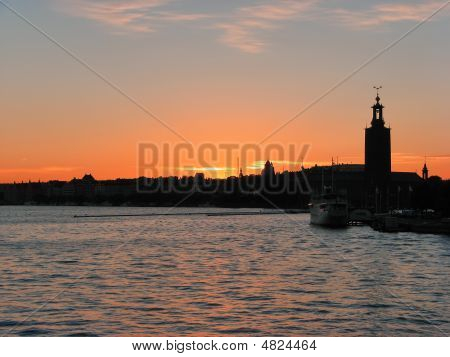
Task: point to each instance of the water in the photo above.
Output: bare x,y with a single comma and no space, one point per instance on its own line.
209,276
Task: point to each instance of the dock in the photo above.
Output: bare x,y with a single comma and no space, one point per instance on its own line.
393,224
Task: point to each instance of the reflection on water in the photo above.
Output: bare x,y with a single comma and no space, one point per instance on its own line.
199,275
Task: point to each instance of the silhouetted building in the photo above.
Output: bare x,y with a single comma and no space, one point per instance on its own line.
84,187
269,170
372,185
199,178
378,158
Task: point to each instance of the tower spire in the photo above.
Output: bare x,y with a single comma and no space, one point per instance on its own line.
377,118
425,170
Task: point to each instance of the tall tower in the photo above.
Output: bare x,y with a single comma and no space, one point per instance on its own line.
378,157
378,147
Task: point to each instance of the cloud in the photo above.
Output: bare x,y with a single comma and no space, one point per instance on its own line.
385,13
128,15
241,28
170,16
282,10
243,31
244,28
240,36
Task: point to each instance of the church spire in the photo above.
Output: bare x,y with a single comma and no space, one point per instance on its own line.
425,171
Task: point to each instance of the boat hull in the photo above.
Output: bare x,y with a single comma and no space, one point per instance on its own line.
329,220
329,210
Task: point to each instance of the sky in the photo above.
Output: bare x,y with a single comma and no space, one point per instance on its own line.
213,72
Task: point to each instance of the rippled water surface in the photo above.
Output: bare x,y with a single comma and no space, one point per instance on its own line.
227,276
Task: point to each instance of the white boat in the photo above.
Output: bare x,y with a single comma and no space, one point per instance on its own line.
329,209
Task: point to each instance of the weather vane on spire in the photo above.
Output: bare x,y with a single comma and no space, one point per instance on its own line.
378,93
378,89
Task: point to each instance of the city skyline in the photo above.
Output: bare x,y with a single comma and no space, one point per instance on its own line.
217,73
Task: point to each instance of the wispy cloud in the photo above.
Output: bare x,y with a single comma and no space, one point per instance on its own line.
385,13
245,27
279,10
128,15
243,30
172,16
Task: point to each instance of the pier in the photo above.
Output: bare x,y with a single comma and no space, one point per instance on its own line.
426,225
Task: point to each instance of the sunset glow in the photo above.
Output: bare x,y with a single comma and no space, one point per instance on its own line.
216,72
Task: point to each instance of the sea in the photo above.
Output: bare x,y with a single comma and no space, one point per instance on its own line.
219,275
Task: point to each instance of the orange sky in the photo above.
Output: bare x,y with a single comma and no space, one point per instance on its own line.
214,76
